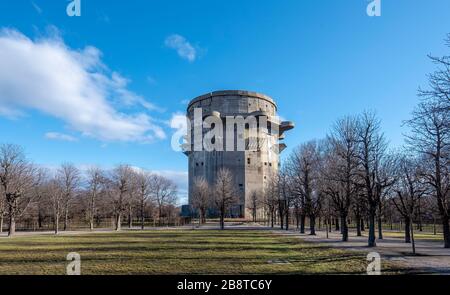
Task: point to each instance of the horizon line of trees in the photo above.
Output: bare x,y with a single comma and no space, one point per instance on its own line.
55,198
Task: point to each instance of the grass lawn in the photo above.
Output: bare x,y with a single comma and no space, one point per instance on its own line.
419,236
177,252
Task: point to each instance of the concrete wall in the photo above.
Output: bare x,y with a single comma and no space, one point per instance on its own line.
251,169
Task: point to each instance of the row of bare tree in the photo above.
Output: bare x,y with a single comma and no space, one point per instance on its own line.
353,174
221,196
27,191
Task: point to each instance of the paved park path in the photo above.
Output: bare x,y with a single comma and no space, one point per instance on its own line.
431,256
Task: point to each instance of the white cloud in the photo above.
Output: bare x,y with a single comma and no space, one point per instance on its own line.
182,46
36,7
72,85
60,136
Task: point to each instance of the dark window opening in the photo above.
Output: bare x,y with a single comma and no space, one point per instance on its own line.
248,161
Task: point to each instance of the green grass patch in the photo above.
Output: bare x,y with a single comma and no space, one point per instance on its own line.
177,252
419,236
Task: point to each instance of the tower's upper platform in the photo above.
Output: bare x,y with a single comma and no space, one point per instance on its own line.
228,93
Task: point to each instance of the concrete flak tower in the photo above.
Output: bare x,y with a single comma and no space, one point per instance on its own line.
251,156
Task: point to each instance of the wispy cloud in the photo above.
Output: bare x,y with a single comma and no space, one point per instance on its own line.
36,7
151,80
184,49
74,86
60,136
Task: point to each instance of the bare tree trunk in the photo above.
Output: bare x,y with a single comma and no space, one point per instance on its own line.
222,220
142,215
39,219
344,228
1,223
56,225
66,216
407,230
380,221
12,225
380,228
287,220
312,225
281,221
118,221
302,223
412,238
363,227
371,240
419,216
92,213
130,217
434,226
159,214
272,218
336,222
358,226
446,229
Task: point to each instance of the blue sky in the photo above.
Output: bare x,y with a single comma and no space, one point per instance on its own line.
320,60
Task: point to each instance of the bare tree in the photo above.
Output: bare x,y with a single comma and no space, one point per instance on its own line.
371,155
224,194
54,191
2,209
305,163
121,185
285,197
201,198
430,137
17,177
438,91
270,198
408,191
69,178
96,180
341,168
164,193
143,184
254,203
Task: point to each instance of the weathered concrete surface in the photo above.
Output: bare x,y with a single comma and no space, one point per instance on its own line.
252,167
